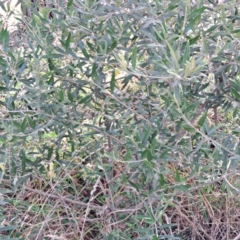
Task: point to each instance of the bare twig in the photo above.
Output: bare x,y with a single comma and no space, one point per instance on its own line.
49,195
88,206
223,177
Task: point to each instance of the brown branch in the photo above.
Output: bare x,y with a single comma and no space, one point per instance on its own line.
82,204
49,195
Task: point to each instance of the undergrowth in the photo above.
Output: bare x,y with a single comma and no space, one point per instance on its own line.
120,120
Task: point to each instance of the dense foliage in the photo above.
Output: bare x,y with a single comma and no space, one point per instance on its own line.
131,107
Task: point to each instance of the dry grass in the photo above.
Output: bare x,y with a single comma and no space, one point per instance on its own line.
71,209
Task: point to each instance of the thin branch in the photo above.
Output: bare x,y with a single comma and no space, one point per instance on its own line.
82,204
49,195
92,197
223,177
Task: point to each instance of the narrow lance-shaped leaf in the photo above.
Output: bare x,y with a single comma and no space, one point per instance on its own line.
162,180
81,46
85,99
173,55
113,45
5,40
70,96
157,35
146,136
31,123
202,119
177,94
23,125
134,57
189,67
235,94
70,3
186,55
164,31
67,44
50,152
94,71
196,13
112,82
178,178
24,159
155,237
8,228
21,181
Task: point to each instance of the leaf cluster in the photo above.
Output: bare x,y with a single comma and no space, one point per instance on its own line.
143,95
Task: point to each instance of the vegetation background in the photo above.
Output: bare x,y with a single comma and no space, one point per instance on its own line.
119,119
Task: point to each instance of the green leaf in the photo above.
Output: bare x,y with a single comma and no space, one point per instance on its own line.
202,119
147,154
196,13
164,29
134,57
178,178
50,135
68,41
4,39
50,152
127,155
173,55
183,188
144,154
114,44
51,80
211,29
188,128
134,185
21,181
161,180
153,136
112,82
191,107
164,154
31,123
235,94
23,160
194,40
83,49
70,4
177,94
70,96
212,130
186,55
23,125
91,46
100,27
224,17
94,71
61,95
3,64
21,69
158,36
3,6
146,136
85,99
53,55
8,228
53,68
